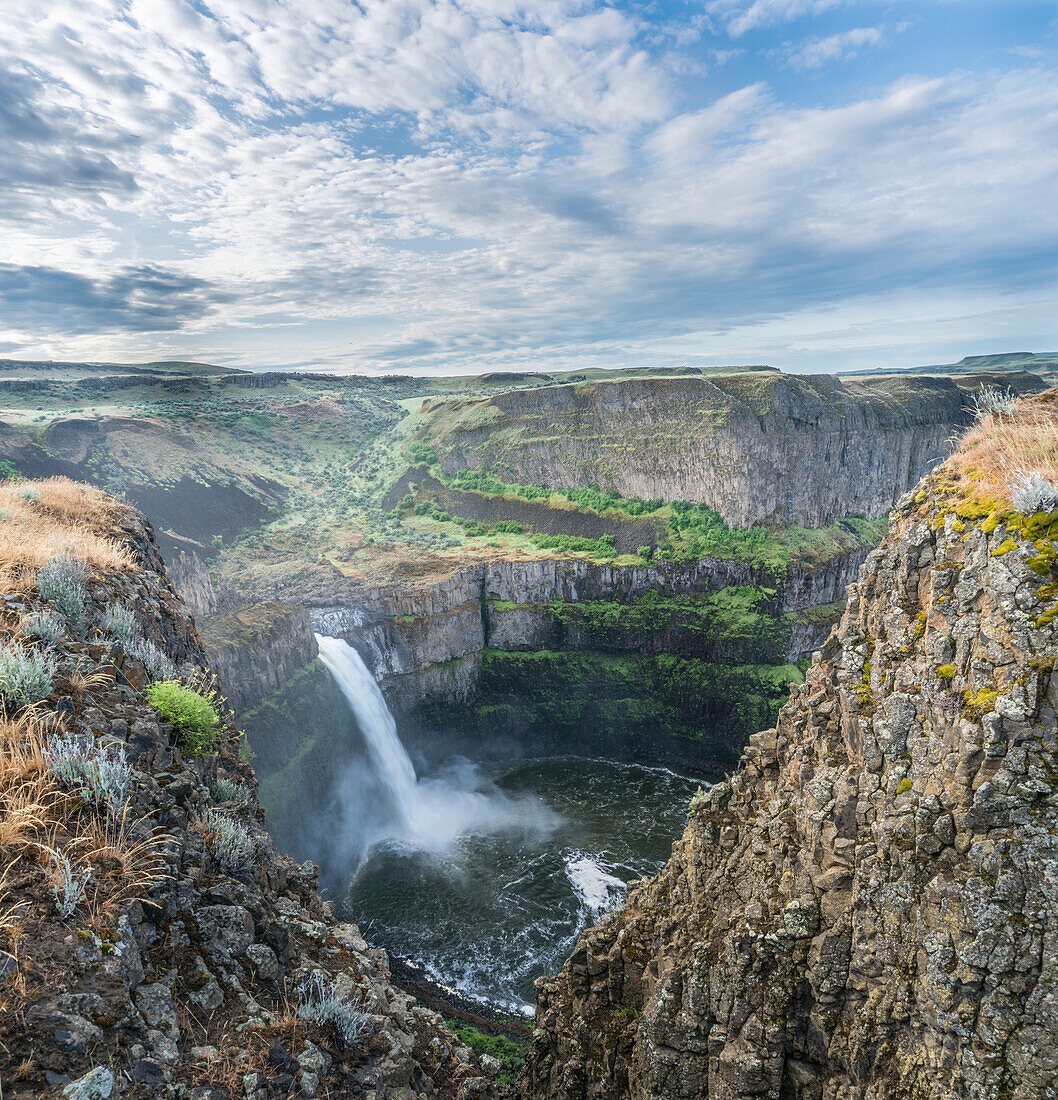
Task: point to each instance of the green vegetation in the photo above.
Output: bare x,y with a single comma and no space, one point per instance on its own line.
194,714
510,1053
602,547
740,623
645,704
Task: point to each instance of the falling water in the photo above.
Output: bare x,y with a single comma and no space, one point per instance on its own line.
365,699
429,813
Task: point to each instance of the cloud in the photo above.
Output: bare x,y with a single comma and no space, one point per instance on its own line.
468,184
140,299
817,52
740,16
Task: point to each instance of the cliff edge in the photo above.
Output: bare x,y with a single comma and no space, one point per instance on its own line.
153,942
868,908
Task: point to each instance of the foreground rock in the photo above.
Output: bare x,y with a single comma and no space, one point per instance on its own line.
196,982
868,909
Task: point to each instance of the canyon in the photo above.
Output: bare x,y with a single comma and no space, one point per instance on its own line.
861,910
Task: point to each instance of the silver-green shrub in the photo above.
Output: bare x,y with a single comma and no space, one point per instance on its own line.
1032,493
69,885
321,1005
101,778
231,790
119,623
48,626
61,582
25,674
230,842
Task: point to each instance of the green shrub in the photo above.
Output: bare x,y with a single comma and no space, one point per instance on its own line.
511,1054
193,713
25,675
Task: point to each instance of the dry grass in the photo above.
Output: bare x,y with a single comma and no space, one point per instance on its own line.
84,680
1003,446
123,868
22,740
41,519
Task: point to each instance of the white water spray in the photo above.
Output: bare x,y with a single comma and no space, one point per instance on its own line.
431,813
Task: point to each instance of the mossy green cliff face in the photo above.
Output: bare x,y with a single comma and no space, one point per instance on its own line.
867,909
755,445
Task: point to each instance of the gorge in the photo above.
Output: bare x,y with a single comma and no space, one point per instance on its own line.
481,743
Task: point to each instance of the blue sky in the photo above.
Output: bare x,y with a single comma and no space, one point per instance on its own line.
455,186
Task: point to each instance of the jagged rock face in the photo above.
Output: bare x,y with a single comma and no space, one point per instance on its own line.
754,446
255,650
194,585
868,909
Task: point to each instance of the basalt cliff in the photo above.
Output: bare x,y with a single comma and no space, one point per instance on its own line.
868,908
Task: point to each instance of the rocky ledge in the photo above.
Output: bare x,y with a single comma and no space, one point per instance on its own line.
179,955
868,908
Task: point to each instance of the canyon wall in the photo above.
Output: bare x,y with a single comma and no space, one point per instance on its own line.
755,445
868,908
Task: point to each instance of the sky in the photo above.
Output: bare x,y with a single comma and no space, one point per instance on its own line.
460,186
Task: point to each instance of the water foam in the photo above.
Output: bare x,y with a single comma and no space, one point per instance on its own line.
596,889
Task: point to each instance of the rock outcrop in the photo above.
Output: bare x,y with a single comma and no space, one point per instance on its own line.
755,445
868,908
192,961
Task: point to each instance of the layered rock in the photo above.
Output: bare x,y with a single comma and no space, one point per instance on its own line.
868,909
755,446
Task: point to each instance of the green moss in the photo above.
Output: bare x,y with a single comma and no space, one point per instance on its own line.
946,672
1004,548
905,786
978,703
509,1051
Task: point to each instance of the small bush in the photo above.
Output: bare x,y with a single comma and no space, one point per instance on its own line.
156,664
193,713
119,623
992,401
1032,493
231,790
29,493
67,885
101,778
229,841
25,675
61,582
321,1005
45,625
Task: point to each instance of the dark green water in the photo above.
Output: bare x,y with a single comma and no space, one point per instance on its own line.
501,904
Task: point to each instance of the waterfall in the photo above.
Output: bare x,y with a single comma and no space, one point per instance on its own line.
430,813
365,699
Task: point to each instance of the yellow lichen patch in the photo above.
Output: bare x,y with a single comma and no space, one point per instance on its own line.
1004,548
978,703
946,672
